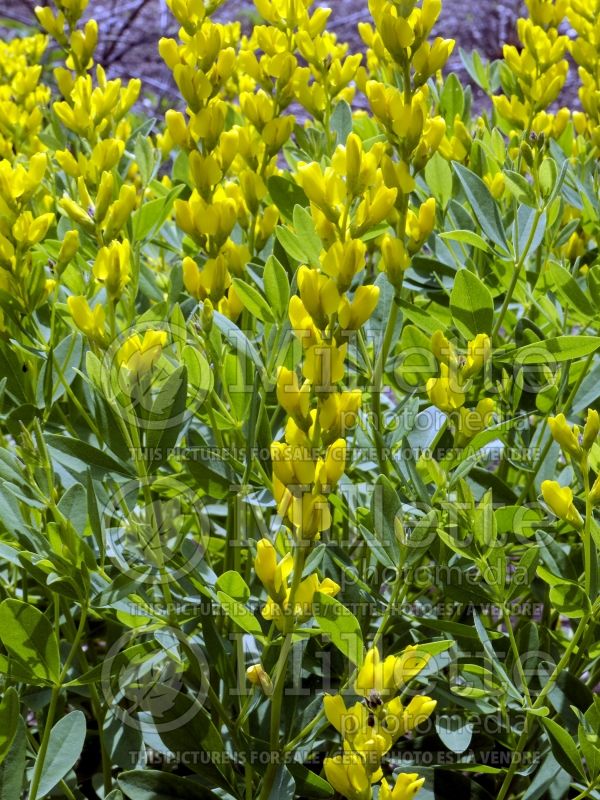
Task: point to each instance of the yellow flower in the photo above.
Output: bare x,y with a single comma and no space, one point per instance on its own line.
272,575
348,776
444,391
113,267
332,468
382,678
565,436
406,787
324,365
400,720
478,352
560,501
68,248
338,412
89,322
353,315
470,422
395,259
140,355
280,611
443,349
343,261
290,396
310,514
319,295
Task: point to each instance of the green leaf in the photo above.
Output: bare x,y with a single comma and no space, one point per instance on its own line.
341,121
439,179
73,505
145,158
253,300
385,507
233,585
563,284
308,783
150,784
238,612
455,732
152,215
12,769
452,99
9,721
238,340
286,194
64,748
296,247
469,237
520,188
167,414
340,624
564,748
307,234
471,304
277,287
552,351
483,204
283,784
79,455
30,638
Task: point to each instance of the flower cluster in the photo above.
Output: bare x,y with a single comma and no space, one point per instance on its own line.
448,391
372,726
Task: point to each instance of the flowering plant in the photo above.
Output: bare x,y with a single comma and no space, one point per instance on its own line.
299,459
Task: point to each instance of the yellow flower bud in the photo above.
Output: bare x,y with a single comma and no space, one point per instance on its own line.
257,676
113,267
177,127
470,423
89,322
565,436
478,352
560,501
290,396
591,429
271,574
335,463
68,249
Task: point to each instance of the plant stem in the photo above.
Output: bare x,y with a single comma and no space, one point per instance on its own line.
516,273
280,675
41,756
538,703
564,408
377,388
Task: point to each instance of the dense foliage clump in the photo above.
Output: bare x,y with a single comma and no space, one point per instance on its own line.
299,391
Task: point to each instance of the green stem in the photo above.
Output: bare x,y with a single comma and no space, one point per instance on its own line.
398,594
516,274
565,409
515,649
41,756
562,664
280,675
587,528
377,389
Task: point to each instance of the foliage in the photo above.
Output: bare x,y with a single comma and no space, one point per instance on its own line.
299,396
